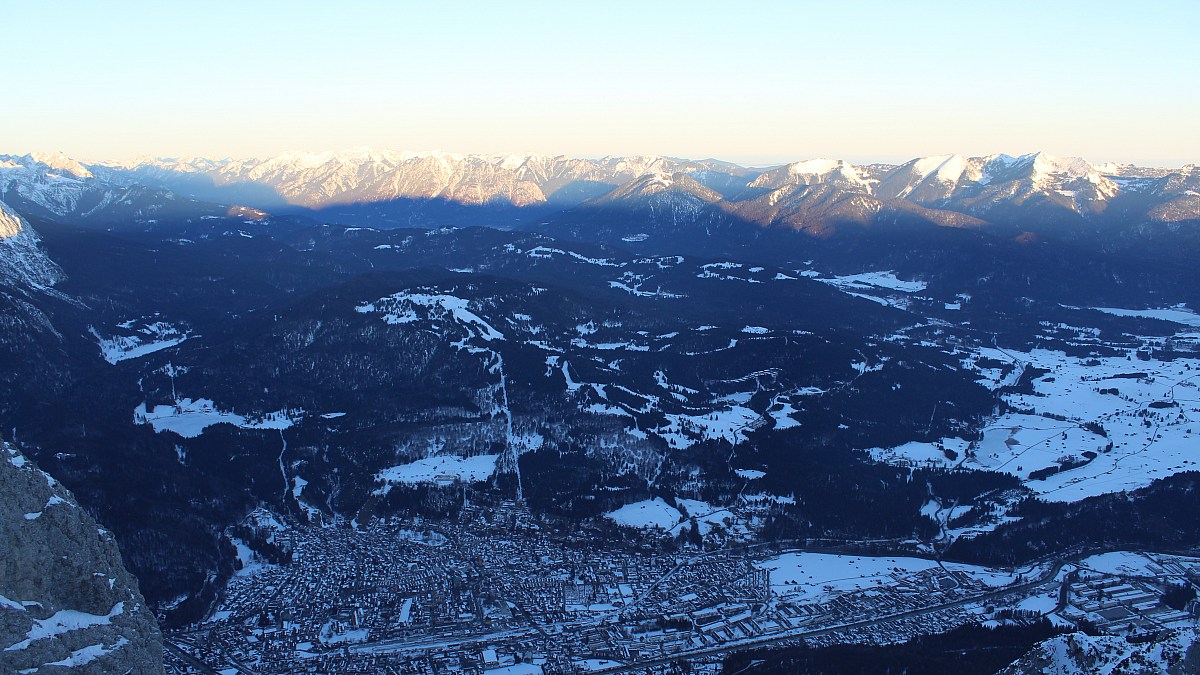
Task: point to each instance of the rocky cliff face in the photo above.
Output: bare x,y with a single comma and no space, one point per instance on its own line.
22,262
66,601
1172,653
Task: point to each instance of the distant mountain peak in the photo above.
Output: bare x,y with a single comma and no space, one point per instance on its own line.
825,170
60,162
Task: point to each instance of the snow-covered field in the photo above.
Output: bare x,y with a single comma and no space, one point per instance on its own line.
151,337
730,424
547,252
656,514
884,288
251,564
1139,564
810,577
873,281
439,468
1091,426
1178,314
190,418
647,514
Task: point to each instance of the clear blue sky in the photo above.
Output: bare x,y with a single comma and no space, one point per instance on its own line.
756,82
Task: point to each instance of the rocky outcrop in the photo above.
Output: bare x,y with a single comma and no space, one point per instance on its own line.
1171,653
22,261
67,604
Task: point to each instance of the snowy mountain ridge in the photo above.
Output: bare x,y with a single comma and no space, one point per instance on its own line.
996,188
22,261
1037,192
1174,652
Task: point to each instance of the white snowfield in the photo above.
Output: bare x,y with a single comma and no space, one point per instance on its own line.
873,281
439,468
251,563
1148,411
64,621
781,411
190,418
883,288
657,514
811,577
547,252
730,424
1137,564
1178,314
82,657
151,337
648,514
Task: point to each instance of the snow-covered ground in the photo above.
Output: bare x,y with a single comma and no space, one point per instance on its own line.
781,411
708,516
517,669
151,337
730,424
1091,426
588,665
647,514
1178,314
884,288
63,621
810,577
190,418
547,252
407,307
1139,564
637,290
656,514
1042,603
332,633
251,564
439,468
1074,653
874,280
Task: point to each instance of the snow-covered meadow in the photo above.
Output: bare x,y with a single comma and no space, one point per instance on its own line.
813,577
1092,425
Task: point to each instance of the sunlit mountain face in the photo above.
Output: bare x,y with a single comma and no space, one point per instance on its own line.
371,410
394,188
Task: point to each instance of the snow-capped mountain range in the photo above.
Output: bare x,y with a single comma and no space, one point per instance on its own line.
59,188
321,180
365,186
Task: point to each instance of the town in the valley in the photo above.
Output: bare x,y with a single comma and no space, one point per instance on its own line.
494,592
